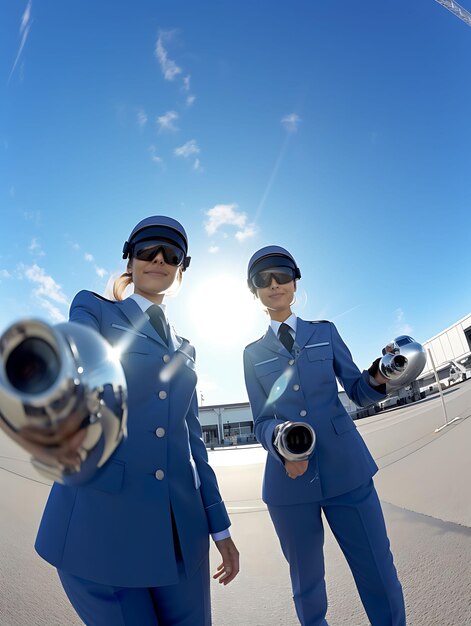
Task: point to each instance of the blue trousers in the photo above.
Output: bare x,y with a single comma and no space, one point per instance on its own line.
185,604
356,520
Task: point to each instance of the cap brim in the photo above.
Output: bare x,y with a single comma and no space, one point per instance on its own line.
162,233
271,261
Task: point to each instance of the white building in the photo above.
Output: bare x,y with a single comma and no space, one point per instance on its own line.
452,344
227,423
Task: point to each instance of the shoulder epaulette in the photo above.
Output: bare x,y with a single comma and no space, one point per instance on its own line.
187,348
100,297
256,341
184,340
319,322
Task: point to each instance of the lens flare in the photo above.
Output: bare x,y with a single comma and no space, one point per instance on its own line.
279,386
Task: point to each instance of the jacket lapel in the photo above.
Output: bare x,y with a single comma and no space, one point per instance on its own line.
138,319
271,341
304,332
174,342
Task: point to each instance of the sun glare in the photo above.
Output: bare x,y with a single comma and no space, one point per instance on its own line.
223,311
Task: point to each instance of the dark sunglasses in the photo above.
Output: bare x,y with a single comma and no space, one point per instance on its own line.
148,250
282,276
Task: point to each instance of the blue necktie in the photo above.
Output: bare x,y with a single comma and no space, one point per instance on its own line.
157,319
286,337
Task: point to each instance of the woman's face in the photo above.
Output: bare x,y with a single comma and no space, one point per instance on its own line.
277,298
152,279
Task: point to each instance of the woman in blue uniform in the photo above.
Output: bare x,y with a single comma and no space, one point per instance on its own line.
131,545
291,375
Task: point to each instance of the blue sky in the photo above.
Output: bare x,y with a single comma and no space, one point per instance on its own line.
340,130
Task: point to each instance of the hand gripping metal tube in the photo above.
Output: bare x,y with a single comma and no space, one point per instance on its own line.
402,362
49,372
295,441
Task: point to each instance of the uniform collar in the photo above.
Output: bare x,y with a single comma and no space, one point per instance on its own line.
144,303
292,322
304,332
132,309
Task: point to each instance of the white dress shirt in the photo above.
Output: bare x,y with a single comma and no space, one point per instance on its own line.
144,304
292,322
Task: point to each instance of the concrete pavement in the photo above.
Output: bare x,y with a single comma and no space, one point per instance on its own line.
424,486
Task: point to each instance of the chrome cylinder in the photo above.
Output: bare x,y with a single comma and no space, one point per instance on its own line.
392,365
403,362
49,372
295,441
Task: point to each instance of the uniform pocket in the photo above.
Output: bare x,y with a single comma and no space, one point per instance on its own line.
267,367
321,351
342,424
129,330
127,341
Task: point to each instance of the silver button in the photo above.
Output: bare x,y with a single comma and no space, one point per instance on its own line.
291,362
160,474
162,395
160,432
295,387
303,413
166,358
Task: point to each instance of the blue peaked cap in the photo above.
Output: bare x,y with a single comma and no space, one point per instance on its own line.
270,256
158,227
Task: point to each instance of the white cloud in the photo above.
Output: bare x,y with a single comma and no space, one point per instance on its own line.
141,118
54,313
47,286
154,156
32,216
26,17
213,249
169,68
197,165
401,327
166,121
25,27
47,292
5,274
223,215
249,231
75,246
188,149
291,122
101,272
35,248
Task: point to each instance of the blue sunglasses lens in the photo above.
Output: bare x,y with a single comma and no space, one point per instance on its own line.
148,250
263,279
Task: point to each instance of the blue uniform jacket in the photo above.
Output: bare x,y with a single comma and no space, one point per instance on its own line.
303,388
117,528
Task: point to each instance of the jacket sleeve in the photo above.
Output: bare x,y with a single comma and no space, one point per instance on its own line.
355,383
215,509
265,420
85,309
